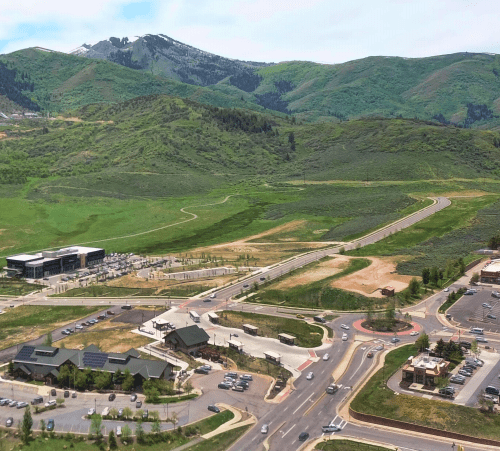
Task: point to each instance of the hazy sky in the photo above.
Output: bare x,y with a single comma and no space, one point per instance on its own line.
326,31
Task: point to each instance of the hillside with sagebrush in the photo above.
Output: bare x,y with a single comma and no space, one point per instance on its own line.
161,146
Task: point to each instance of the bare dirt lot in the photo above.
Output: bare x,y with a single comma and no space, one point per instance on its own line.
381,273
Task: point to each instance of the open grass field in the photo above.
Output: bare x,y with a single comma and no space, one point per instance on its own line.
16,287
307,335
319,294
112,339
221,442
27,322
377,399
348,445
106,291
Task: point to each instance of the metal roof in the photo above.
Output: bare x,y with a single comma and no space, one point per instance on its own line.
287,336
249,326
272,354
190,336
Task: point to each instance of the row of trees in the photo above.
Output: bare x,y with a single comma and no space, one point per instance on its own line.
494,242
101,380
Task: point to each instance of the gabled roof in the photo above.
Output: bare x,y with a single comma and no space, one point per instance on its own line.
190,336
92,348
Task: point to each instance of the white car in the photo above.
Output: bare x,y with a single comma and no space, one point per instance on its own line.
414,333
118,431
344,337
344,326
91,411
446,290
310,376
79,327
326,356
50,403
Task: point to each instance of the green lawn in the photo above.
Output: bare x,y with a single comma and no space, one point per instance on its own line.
15,287
174,399
377,399
318,295
20,323
307,335
220,442
106,291
348,445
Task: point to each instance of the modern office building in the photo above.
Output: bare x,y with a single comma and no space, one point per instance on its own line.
48,263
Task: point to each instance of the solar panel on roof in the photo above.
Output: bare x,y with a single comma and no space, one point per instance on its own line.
25,354
94,359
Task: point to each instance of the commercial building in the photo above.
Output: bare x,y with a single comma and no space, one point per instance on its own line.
424,370
44,363
48,263
187,339
491,272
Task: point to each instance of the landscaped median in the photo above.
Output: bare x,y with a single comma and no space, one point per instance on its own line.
376,403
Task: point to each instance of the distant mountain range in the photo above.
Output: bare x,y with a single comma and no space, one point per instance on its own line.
461,88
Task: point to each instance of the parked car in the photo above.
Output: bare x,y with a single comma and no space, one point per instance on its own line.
50,425
490,390
66,393
264,429
246,377
21,404
73,394
326,356
486,305
213,408
79,327
224,386
118,431
120,412
206,366
457,379
91,411
50,403
5,402
310,376
303,436
490,316
207,300
239,388
13,404
201,370
9,422
145,414
138,404
464,373
37,400
133,397
481,340
243,384
231,374
111,397
414,333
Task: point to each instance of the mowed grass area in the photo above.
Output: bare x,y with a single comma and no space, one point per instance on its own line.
106,291
27,322
221,442
16,287
118,339
318,294
307,335
376,398
348,445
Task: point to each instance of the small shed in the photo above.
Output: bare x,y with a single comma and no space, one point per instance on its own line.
160,324
273,357
236,345
287,339
249,329
213,317
388,291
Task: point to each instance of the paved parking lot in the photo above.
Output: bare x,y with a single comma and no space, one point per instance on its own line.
468,310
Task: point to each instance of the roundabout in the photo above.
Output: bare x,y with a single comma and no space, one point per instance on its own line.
407,329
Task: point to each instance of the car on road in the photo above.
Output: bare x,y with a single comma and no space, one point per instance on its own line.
213,295
133,397
298,315
481,340
446,290
118,431
491,316
379,348
50,425
331,428
246,285
310,376
414,333
331,389
207,300
303,436
213,408
344,337
78,327
369,355
395,340
326,356
9,422
344,326
264,429
111,397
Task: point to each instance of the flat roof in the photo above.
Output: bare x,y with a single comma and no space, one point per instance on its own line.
494,266
84,250
235,343
288,336
41,261
213,315
272,354
249,326
25,257
160,321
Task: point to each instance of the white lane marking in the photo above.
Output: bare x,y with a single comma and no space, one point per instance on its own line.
288,430
295,411
285,409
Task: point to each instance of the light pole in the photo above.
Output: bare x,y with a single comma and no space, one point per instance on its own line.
453,446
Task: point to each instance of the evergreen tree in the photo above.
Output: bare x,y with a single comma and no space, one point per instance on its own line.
26,425
112,440
426,273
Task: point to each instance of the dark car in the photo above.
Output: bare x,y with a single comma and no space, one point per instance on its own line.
50,425
133,397
303,436
224,386
111,397
66,393
53,392
145,414
138,404
492,390
201,371
213,408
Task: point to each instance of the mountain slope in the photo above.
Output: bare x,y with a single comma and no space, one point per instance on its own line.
161,55
60,82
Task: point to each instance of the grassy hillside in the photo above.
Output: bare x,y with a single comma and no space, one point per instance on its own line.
63,82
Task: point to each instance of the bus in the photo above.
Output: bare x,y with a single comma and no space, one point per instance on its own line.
194,316
476,330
